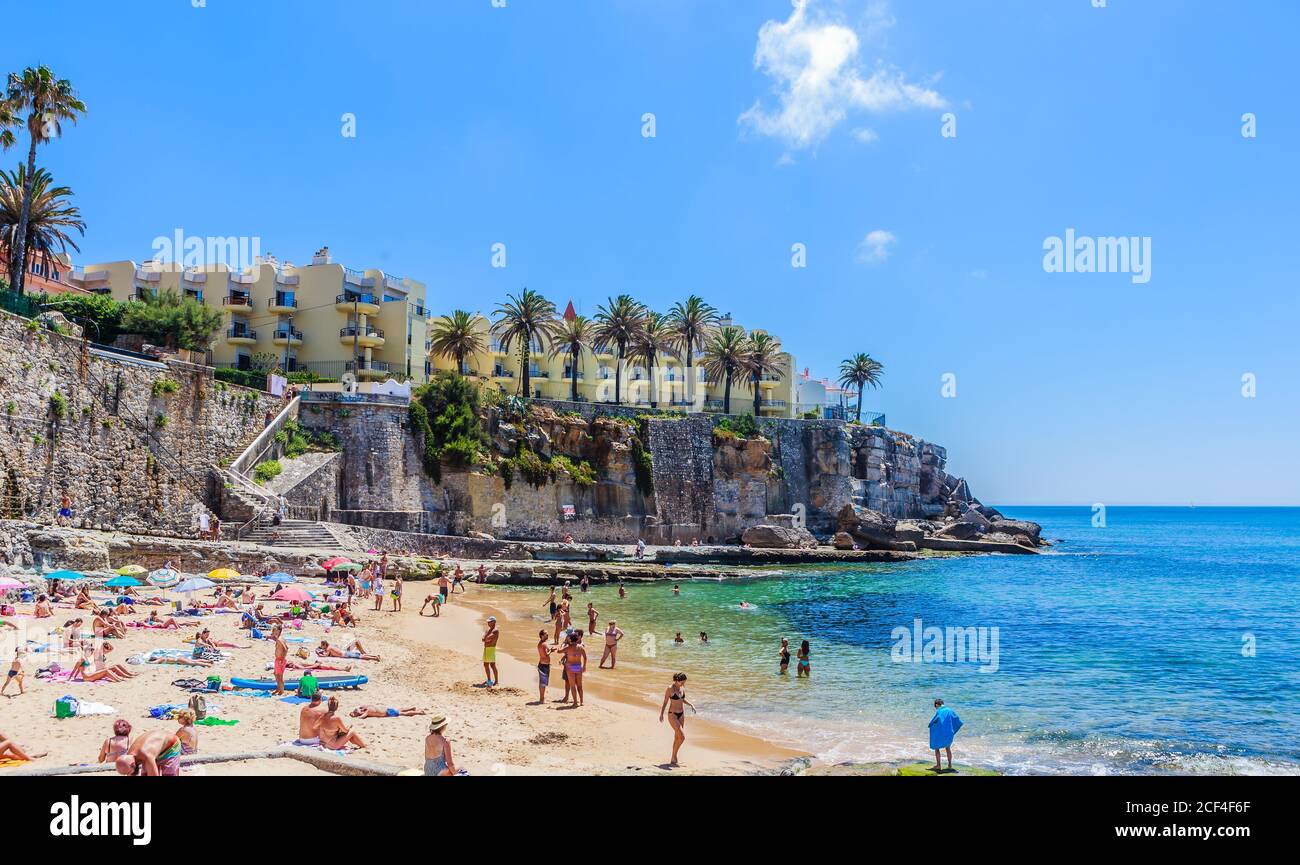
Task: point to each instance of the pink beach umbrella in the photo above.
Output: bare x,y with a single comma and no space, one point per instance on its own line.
293,593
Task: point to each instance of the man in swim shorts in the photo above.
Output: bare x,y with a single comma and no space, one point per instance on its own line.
385,712
543,665
490,652
281,660
309,720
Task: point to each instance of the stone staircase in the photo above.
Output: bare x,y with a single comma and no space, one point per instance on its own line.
292,533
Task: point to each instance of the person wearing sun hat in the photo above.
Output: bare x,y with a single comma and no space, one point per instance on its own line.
437,750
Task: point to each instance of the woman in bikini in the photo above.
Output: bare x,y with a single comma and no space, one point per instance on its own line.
675,704
804,667
188,736
334,734
43,610
117,744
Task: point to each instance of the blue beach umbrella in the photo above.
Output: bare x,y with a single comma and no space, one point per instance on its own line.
278,577
196,584
65,576
122,582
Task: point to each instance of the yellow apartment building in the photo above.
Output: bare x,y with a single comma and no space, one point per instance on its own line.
322,317
549,378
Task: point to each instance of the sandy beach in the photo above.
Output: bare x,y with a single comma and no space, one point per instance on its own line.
429,663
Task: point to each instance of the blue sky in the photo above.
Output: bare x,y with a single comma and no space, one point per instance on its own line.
774,126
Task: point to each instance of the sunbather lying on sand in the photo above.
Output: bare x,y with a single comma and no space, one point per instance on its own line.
9,750
382,712
354,651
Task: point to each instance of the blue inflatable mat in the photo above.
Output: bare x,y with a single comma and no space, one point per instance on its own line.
325,683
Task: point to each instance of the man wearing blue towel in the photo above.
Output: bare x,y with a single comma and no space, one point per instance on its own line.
943,727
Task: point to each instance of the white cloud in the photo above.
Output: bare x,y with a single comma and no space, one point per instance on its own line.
866,136
813,60
875,247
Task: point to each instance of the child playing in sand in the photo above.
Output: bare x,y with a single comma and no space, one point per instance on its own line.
15,672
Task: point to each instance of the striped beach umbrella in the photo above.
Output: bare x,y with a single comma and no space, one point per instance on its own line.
164,578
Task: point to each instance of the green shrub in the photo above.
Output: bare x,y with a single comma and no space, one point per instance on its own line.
11,407
165,386
532,468
245,377
445,414
742,427
580,473
264,471
643,465
58,405
160,421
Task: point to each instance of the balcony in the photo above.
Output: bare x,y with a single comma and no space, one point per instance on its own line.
194,277
368,368
238,302
286,336
370,337
357,278
501,372
397,282
242,279
240,335
282,302
356,302
283,278
148,274
773,405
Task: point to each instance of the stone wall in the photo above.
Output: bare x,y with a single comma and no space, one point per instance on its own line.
129,441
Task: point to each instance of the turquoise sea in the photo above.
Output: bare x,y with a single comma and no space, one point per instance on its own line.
1166,641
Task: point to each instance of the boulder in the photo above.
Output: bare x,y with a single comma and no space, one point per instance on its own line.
872,529
482,536
778,538
961,531
1017,527
909,531
842,541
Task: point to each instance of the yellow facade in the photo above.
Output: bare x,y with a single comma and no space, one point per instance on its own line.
322,317
549,379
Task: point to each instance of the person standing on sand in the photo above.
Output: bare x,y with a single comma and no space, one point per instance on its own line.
309,721
943,727
378,582
458,579
443,584
592,615
490,652
281,659
438,761
575,663
15,672
675,704
543,665
397,594
612,635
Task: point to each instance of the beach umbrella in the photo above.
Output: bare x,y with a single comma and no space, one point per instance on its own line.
224,574
65,576
122,582
7,583
195,584
164,578
348,566
293,593
331,564
278,577
130,570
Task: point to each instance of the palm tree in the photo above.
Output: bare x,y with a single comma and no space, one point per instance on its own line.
762,358
858,372
618,324
8,120
457,335
656,339
51,217
572,338
691,322
48,101
530,319
724,357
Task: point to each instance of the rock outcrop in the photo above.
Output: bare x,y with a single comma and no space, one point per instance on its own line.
778,538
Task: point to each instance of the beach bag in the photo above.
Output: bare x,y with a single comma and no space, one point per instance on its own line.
66,707
6,609
214,683
200,706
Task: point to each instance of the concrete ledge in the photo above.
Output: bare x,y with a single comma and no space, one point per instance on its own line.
319,759
956,546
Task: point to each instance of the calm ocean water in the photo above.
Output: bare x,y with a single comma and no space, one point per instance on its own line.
1119,651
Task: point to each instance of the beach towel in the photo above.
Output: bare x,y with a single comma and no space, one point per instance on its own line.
84,708
943,727
294,701
215,722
